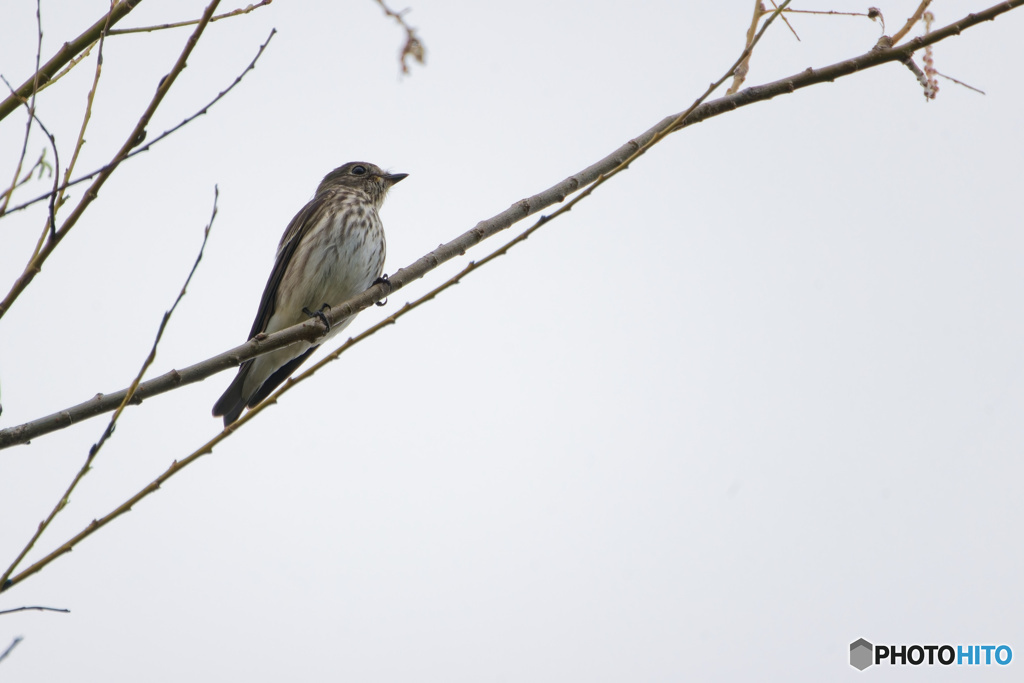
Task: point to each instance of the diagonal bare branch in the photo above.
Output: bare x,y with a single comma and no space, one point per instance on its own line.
916,17
109,431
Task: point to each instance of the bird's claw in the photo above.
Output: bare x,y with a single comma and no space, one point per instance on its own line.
320,314
383,279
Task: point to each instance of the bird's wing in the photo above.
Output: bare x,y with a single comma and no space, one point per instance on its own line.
297,229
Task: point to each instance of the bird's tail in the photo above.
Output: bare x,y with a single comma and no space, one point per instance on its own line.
278,377
231,403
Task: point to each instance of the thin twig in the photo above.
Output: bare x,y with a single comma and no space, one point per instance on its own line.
145,148
788,25
52,214
21,159
41,164
161,27
818,11
35,607
31,104
3,655
54,170
57,199
310,331
950,78
872,14
413,46
109,431
898,36
65,54
135,137
740,73
72,63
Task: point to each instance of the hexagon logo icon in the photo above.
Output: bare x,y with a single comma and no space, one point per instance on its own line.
860,654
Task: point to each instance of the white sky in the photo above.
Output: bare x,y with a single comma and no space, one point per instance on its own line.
758,397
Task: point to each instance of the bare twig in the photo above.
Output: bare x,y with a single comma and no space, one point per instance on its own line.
161,27
311,330
35,607
788,25
740,72
819,11
109,431
413,46
6,198
135,137
950,78
55,173
72,63
57,198
65,54
31,105
3,655
41,164
898,36
872,14
145,148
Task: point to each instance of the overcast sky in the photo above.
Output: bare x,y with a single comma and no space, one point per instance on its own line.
756,398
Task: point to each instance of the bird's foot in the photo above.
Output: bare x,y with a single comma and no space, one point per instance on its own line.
320,314
383,279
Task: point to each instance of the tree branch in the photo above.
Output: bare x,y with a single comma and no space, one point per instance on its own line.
179,24
134,139
130,392
30,105
65,54
41,165
14,643
898,36
35,608
311,330
145,148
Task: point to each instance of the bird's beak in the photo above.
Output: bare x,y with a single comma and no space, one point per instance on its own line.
393,178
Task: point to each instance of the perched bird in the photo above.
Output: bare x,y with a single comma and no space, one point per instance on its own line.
332,250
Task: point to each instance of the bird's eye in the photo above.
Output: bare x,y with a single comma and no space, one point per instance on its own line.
359,170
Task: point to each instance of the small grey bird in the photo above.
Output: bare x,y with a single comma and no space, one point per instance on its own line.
332,250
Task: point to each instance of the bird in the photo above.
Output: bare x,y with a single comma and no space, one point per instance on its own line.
331,250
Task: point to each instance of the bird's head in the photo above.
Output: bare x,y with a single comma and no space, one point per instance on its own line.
359,175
